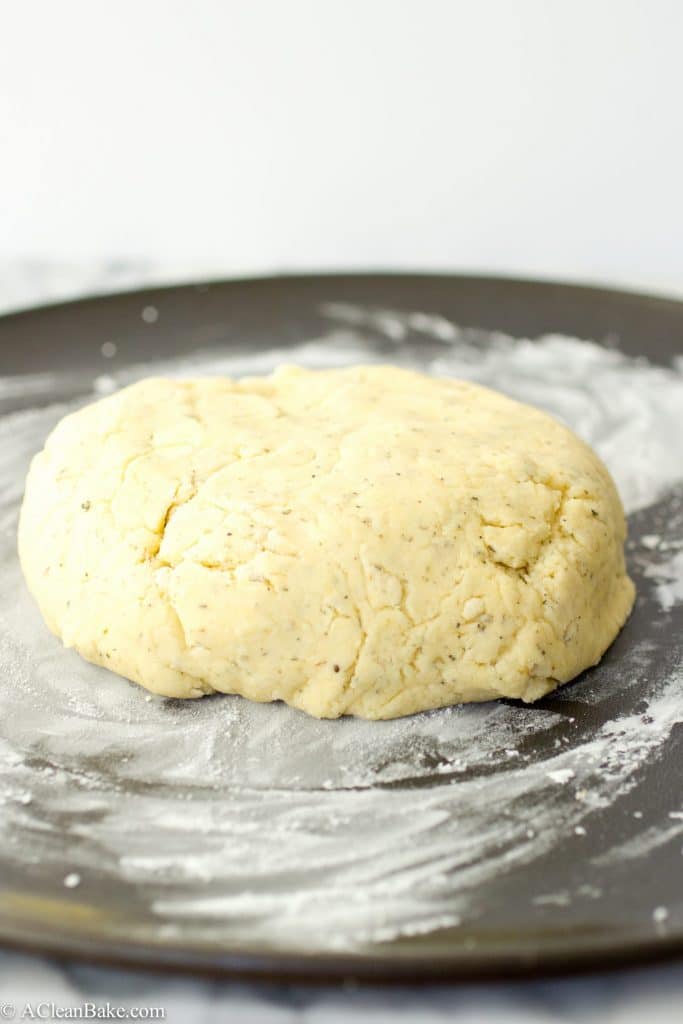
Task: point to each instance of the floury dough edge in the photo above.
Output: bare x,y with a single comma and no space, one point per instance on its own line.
367,541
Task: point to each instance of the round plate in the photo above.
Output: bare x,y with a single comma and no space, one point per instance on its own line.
224,836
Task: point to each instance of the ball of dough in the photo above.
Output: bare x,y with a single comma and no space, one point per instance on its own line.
368,541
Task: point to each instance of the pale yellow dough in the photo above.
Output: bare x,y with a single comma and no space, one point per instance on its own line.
367,541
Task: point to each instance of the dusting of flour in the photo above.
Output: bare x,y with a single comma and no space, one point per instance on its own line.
225,821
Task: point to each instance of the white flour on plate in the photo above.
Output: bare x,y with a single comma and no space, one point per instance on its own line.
248,822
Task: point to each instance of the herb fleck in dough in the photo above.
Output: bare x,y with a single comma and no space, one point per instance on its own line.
368,541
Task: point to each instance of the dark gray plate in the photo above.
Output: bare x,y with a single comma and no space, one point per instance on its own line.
220,836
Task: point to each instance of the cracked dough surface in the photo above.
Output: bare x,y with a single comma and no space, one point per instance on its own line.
368,541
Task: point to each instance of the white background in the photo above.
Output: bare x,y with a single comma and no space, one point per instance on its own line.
530,136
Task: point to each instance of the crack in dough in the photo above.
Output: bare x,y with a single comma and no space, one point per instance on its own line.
368,541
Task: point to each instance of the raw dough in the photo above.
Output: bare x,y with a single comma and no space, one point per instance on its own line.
368,541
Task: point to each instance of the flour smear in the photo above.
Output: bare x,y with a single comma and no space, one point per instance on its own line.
225,821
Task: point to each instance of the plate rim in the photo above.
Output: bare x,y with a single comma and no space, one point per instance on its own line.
596,289
362,968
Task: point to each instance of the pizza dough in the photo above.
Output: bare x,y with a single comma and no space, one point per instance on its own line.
368,541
